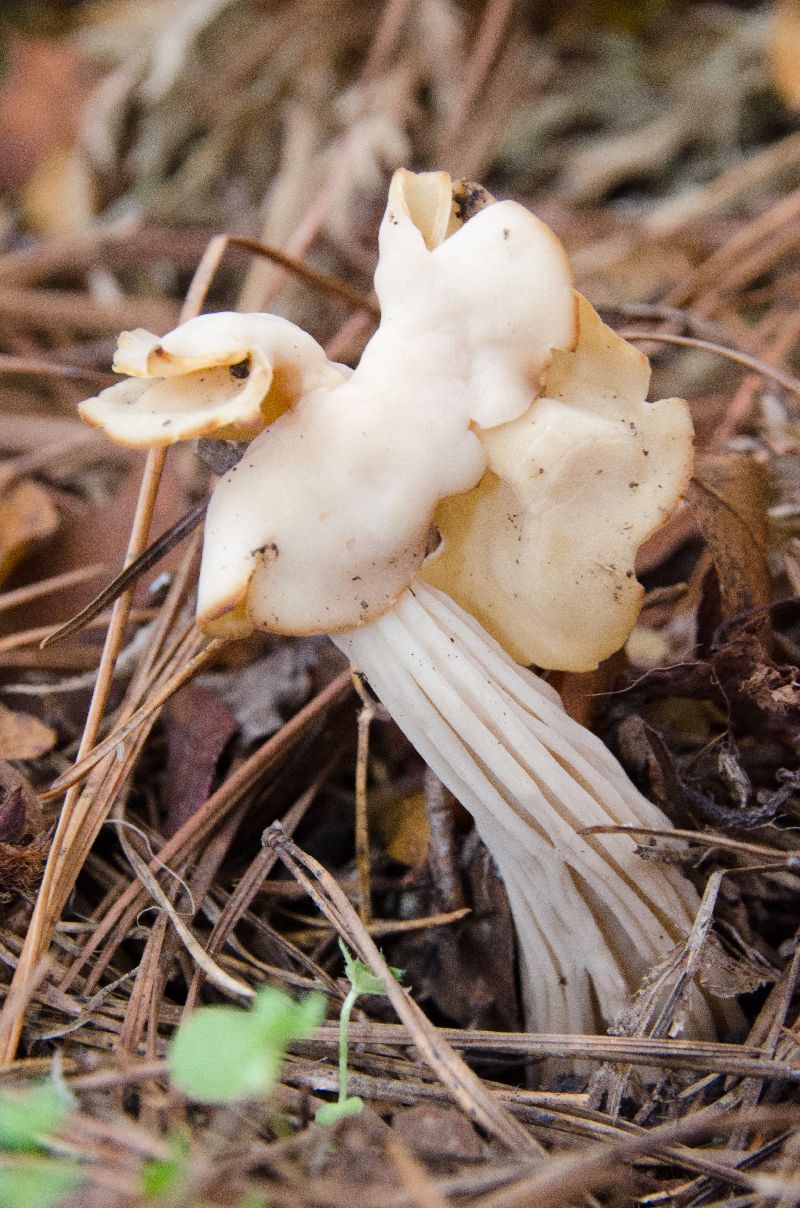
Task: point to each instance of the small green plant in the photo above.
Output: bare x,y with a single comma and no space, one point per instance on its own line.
161,1178
29,1178
362,981
222,1053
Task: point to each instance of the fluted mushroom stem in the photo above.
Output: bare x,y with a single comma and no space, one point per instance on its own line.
591,916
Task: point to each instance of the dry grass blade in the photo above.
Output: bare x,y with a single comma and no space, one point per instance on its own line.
77,816
216,975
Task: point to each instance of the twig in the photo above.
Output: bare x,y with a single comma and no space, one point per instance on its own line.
787,380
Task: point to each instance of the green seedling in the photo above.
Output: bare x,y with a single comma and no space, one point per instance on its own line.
222,1053
362,981
28,1120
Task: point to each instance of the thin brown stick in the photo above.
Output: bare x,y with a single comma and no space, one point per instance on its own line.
311,276
787,380
366,715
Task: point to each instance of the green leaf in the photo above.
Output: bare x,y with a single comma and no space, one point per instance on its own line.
329,1113
27,1116
161,1177
361,977
42,1186
284,1019
221,1053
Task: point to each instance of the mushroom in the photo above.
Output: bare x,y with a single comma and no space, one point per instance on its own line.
492,403
223,375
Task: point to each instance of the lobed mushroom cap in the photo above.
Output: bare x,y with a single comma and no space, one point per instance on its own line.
324,522
227,375
542,550
487,305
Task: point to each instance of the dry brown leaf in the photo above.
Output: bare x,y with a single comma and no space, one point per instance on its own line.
27,516
785,51
728,496
199,727
23,736
20,812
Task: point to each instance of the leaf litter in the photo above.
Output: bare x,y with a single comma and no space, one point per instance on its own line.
661,142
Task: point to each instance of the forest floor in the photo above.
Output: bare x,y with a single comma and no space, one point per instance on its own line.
661,142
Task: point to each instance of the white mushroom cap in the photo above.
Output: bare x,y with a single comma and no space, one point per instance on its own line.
542,551
225,374
325,520
488,305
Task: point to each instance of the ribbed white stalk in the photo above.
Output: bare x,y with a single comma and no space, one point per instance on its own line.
591,916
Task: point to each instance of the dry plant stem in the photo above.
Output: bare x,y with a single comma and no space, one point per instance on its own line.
77,816
740,1060
71,373
467,1089
787,380
366,715
781,859
321,281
